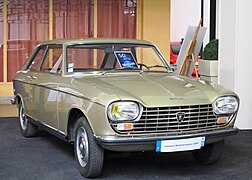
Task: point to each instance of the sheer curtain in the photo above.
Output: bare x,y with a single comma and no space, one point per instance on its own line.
116,19
28,23
73,18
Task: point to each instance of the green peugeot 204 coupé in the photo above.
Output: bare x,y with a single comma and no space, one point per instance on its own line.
120,95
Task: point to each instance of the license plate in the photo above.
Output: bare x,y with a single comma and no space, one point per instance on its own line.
180,144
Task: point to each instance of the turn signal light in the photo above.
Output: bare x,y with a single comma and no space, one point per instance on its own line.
222,120
124,126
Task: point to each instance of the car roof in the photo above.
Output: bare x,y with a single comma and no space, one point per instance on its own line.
96,41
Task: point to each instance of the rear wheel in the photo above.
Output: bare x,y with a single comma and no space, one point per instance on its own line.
89,155
210,154
27,128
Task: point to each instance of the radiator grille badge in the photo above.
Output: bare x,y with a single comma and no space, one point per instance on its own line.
180,116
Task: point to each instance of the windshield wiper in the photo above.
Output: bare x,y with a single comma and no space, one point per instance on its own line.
118,69
161,66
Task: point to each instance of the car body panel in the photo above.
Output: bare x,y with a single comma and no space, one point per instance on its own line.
163,89
86,97
49,98
44,95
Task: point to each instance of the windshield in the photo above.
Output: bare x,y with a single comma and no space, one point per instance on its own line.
114,57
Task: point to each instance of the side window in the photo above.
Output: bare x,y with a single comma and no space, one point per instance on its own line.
80,59
36,62
53,60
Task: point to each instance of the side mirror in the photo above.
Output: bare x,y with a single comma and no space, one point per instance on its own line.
173,67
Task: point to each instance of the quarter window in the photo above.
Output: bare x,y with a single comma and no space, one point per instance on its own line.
35,65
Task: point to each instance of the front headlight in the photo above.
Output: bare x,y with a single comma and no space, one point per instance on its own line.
225,105
123,111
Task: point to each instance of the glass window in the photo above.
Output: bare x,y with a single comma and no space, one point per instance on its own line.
53,60
80,59
35,65
149,59
73,19
28,23
114,57
117,19
1,40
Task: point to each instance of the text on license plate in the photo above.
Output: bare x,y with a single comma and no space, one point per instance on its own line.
180,144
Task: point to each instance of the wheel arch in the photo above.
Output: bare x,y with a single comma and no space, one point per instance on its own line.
73,115
19,99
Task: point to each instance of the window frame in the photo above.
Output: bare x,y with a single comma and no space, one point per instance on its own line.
92,45
60,46
27,67
48,46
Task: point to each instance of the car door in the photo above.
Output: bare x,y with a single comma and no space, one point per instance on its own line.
29,77
45,88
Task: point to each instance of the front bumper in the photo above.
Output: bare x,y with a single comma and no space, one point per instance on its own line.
146,143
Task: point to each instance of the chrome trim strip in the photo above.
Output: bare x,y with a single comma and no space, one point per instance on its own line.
54,129
129,140
49,126
61,132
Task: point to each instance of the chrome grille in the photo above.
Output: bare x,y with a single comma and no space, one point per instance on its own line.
160,120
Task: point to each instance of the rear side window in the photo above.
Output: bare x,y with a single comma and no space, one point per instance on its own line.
37,60
53,60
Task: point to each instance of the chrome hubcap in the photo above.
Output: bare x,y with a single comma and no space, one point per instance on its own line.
82,146
22,118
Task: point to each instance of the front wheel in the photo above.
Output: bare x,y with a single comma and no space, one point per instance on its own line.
89,155
209,154
27,128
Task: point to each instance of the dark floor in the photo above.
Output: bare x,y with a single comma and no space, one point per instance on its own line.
46,157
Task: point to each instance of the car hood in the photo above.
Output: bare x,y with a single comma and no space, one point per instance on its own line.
158,89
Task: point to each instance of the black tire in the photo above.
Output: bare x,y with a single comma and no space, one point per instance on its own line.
27,128
210,154
89,155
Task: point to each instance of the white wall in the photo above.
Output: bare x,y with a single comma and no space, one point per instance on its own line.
234,29
227,44
235,62
206,20
184,13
